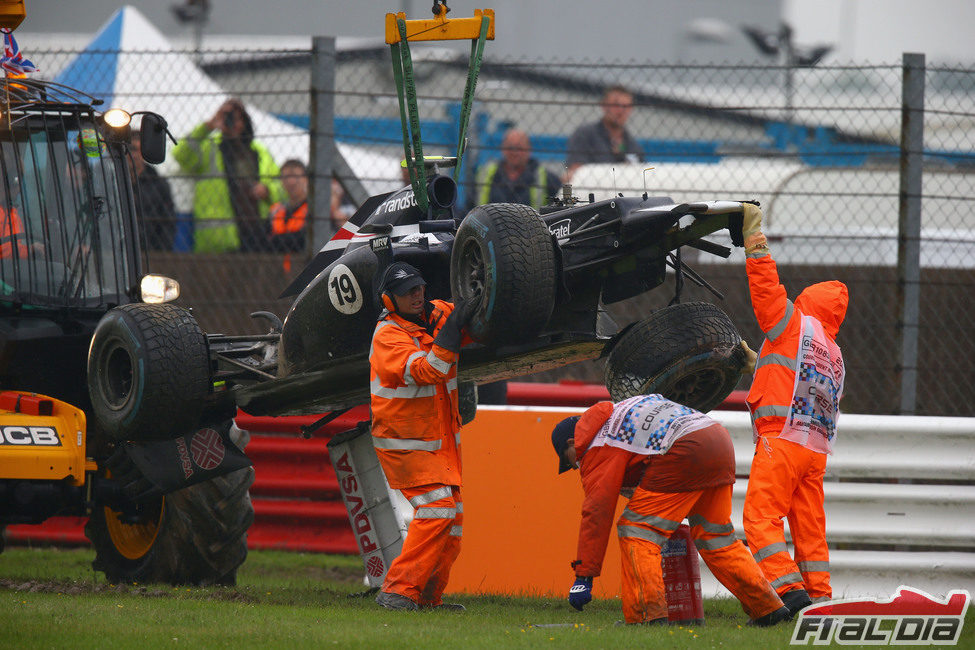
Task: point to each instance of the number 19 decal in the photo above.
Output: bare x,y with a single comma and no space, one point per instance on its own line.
343,290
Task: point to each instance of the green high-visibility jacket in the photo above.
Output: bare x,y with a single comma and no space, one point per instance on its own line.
537,188
213,214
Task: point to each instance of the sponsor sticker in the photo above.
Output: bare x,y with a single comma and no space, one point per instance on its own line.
560,229
380,243
355,504
909,617
88,142
343,290
207,449
184,458
396,203
375,566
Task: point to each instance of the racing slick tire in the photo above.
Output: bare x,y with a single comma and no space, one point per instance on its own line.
197,535
503,261
690,353
148,372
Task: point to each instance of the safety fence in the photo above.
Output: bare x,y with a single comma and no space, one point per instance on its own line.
857,165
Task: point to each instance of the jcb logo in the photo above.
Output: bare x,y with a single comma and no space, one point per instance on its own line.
39,436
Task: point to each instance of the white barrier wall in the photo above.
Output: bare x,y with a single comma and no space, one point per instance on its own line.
900,503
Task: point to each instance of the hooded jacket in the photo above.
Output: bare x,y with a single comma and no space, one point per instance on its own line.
780,320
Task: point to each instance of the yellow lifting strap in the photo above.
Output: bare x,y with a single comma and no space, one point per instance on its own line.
440,28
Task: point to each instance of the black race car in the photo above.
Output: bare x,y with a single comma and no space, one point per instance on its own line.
539,282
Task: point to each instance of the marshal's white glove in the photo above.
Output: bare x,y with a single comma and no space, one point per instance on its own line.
752,222
751,358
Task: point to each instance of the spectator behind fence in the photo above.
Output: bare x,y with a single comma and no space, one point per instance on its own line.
607,140
516,177
289,222
236,181
289,219
341,208
156,206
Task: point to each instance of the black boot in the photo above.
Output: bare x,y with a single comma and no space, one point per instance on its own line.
778,616
796,600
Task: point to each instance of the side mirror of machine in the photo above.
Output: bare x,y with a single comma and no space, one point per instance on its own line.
152,137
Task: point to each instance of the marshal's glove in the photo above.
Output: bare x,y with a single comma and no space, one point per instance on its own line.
751,357
449,336
752,220
756,245
581,592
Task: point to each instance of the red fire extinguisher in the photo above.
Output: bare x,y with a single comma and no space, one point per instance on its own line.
682,579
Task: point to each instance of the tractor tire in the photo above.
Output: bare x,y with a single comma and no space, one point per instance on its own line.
148,372
503,262
195,536
690,353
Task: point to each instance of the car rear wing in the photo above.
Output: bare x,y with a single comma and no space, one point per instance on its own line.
735,210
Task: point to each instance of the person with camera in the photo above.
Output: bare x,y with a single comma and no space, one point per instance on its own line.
236,181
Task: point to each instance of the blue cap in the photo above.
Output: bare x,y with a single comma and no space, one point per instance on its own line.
560,437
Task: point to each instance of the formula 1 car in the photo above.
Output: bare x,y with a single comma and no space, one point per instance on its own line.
539,283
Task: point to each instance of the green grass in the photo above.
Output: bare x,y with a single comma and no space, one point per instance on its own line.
51,598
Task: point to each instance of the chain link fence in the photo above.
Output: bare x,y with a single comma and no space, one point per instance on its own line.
821,148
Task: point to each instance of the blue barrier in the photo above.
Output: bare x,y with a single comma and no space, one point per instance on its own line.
183,239
814,145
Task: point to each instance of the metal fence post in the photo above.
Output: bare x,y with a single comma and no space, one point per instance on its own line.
322,155
909,227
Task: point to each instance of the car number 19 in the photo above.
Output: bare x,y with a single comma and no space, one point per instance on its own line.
343,290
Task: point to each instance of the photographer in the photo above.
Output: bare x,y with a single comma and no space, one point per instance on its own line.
236,181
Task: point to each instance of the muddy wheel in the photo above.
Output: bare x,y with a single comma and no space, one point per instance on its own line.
197,535
503,261
690,353
148,372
